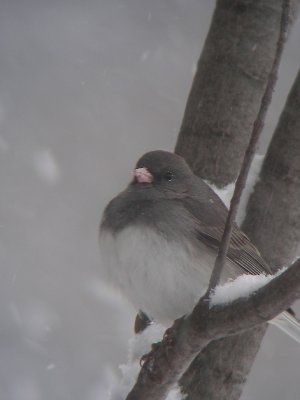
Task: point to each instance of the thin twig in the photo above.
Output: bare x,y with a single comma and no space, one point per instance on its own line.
250,151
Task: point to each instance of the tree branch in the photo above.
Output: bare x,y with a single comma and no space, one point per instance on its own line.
250,151
188,336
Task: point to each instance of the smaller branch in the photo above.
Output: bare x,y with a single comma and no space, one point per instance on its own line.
168,360
250,151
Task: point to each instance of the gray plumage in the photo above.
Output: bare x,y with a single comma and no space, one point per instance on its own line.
159,239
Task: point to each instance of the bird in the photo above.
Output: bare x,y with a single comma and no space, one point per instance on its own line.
159,239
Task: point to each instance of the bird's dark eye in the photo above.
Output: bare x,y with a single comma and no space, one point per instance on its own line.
168,176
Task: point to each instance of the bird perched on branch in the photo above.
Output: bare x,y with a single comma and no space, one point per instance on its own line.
159,239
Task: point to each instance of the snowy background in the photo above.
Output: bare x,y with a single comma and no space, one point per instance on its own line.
85,88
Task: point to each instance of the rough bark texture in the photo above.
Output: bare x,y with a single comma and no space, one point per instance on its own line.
220,112
221,369
251,148
273,214
227,88
189,335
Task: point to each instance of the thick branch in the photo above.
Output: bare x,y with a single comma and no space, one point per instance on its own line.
274,209
222,106
250,151
228,86
170,358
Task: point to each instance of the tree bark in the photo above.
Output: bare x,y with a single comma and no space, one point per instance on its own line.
220,371
227,88
189,335
273,212
220,112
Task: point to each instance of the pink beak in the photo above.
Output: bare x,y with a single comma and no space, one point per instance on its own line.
143,175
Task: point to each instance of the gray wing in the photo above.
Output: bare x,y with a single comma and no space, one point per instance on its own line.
210,216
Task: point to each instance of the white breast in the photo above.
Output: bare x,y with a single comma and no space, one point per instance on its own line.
164,279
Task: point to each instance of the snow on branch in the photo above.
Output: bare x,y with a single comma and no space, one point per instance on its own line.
168,360
243,286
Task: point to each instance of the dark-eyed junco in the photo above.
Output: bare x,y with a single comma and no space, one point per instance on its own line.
159,239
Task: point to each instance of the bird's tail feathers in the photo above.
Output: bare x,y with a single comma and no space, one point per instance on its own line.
288,324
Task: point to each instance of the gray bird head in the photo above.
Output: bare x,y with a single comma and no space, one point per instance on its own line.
161,168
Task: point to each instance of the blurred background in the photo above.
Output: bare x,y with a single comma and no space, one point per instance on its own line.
86,87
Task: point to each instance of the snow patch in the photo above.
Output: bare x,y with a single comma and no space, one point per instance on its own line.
175,394
243,286
253,177
226,193
138,346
